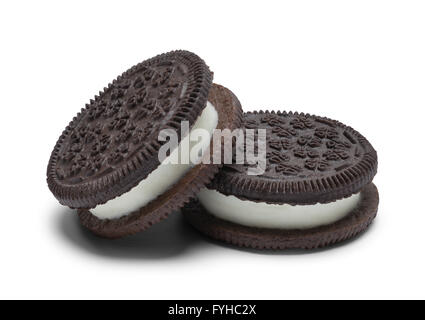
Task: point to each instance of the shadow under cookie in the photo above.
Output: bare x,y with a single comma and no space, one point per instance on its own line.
168,240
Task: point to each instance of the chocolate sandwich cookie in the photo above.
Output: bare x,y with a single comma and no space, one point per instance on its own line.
316,188
106,162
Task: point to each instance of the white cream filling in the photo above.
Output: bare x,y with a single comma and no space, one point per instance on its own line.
162,178
275,216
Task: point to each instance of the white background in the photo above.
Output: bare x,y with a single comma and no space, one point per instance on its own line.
361,62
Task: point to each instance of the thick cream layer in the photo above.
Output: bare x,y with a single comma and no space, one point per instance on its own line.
162,178
275,216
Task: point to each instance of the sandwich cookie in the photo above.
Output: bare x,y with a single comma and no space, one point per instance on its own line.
316,189
106,163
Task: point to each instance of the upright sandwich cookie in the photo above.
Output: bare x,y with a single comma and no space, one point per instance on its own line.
316,189
106,162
